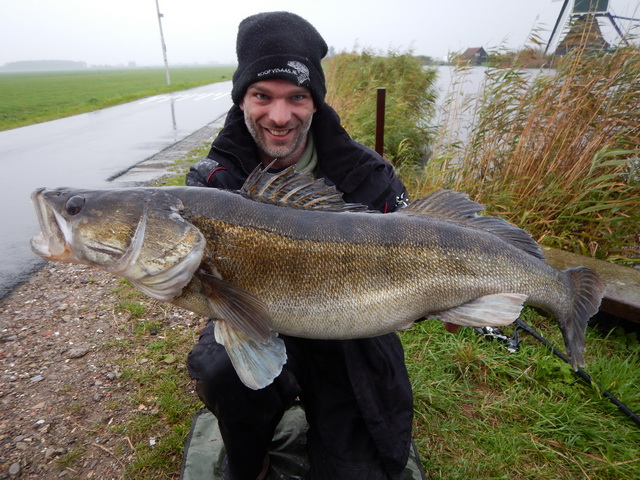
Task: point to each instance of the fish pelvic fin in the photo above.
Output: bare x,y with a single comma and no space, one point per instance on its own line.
256,363
487,311
456,207
295,190
587,292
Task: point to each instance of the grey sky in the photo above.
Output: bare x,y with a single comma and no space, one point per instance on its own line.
116,32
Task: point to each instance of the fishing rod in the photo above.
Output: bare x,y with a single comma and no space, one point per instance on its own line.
584,375
512,345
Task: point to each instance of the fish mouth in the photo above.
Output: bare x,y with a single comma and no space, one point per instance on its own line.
52,242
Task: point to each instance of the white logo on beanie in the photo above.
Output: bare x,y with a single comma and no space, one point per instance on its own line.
303,71
297,69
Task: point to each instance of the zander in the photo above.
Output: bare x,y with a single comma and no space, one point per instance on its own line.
287,255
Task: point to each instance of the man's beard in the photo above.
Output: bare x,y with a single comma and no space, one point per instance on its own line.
276,151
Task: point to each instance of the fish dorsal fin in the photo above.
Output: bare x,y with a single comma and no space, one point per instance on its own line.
296,190
456,207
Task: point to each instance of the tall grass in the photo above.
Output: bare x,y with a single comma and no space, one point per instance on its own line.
556,152
352,82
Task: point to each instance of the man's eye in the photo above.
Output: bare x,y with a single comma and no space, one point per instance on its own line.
261,96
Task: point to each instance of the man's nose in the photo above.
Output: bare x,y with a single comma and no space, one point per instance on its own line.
280,112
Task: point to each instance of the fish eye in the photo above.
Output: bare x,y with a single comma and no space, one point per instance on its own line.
74,205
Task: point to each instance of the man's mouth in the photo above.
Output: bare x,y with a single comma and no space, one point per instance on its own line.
278,133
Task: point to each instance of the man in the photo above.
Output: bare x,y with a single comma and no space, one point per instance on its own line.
356,393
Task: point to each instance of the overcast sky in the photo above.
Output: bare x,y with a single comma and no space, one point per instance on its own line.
116,32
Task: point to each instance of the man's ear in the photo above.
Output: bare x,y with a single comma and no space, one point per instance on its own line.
241,105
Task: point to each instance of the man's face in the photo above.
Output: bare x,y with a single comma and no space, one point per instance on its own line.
278,114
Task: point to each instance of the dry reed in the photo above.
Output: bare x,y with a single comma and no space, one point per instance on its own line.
556,152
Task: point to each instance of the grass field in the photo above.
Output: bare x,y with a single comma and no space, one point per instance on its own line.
27,98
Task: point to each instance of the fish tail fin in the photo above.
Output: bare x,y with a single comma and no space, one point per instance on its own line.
587,293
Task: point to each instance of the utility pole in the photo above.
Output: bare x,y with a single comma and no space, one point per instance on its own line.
164,47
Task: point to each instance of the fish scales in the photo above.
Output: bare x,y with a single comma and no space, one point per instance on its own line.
383,268
300,261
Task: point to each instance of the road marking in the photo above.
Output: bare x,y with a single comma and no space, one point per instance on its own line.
178,97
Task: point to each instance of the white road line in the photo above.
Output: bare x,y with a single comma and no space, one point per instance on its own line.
184,96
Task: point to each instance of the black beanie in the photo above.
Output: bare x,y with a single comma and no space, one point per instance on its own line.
279,45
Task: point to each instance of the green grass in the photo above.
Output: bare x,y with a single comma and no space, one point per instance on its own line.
178,169
164,401
352,83
27,98
155,372
482,412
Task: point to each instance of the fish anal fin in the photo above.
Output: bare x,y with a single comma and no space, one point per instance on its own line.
487,311
241,309
256,363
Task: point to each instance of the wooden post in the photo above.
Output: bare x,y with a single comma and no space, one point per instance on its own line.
380,121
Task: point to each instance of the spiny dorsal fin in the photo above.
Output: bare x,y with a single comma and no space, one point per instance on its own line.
297,190
456,207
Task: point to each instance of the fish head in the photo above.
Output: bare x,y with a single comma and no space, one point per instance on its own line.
138,234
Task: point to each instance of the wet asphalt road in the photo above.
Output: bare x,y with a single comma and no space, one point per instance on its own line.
87,151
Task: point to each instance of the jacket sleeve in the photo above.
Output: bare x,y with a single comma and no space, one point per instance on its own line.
209,173
393,194
377,186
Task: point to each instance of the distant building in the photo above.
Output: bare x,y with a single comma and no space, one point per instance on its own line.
476,55
584,32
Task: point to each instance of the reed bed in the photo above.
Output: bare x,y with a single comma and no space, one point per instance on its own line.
553,151
352,83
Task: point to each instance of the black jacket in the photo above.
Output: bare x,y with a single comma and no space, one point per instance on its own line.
357,171
374,367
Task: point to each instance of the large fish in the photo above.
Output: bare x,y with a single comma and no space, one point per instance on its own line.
287,255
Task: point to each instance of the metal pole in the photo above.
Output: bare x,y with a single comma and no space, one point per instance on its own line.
555,27
380,121
164,47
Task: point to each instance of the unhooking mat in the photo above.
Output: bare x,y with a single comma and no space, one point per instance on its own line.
204,450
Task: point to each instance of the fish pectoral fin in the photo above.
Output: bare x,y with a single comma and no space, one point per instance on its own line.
256,363
488,311
242,309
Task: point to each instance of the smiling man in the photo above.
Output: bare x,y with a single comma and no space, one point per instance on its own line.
356,393
278,115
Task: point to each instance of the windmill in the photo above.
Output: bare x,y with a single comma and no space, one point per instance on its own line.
586,13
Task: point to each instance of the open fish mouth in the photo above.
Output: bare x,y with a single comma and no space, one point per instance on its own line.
52,242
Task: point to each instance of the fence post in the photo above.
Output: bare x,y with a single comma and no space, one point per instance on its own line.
380,120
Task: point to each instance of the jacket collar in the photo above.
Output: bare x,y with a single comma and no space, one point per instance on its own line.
340,160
